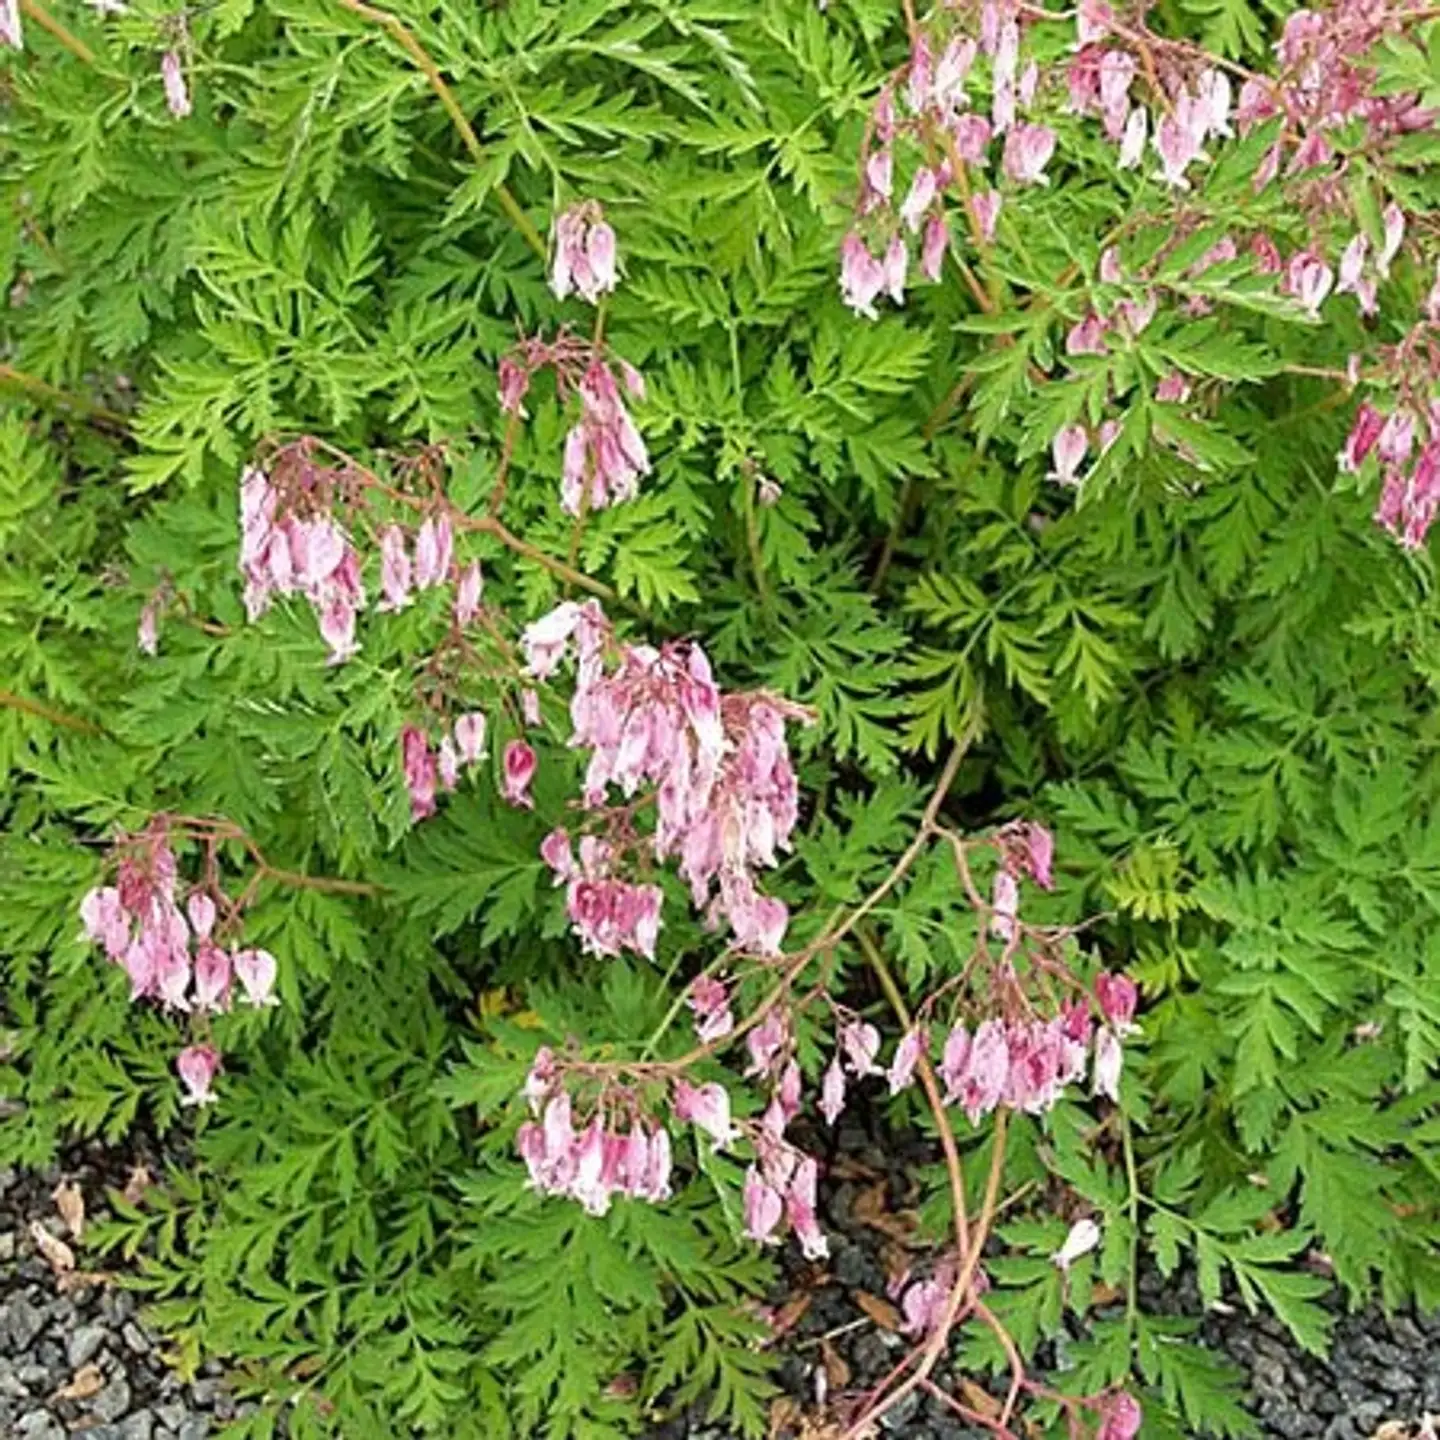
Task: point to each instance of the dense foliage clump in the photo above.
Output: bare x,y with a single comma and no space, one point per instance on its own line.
585,586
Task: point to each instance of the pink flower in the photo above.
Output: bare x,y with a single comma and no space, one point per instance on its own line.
337,629
710,1001
10,31
707,1106
212,977
467,593
766,1043
952,70
880,175
861,1043
1120,1415
530,707
919,200
1308,278
1132,141
604,456
583,259
1213,96
862,276
763,1208
433,547
832,1091
200,909
470,736
1028,149
1039,853
1087,337
545,641
1084,1236
1068,450
1394,221
985,208
514,385
519,772
1364,432
177,96
447,763
1179,136
1173,388
972,136
1093,19
105,920
907,1055
1397,438
954,1060
934,246
800,1207
197,1066
923,1305
983,1077
256,970
395,577
1116,995
418,765
895,265
555,851
919,82
1109,1061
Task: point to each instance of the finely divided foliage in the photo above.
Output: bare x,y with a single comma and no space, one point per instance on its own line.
585,586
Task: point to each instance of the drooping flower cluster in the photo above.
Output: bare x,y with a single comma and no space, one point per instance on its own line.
1403,432
617,1152
582,257
609,913
172,954
291,544
10,31
425,766
718,765
605,457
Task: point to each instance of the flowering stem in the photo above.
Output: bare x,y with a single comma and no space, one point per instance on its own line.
46,21
417,52
1132,1180
876,961
44,390
11,701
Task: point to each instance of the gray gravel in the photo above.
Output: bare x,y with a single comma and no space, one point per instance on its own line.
1380,1381
49,1335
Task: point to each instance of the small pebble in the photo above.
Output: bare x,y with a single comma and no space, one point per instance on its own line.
84,1344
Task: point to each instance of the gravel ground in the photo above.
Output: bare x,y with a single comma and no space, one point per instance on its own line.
1381,1380
75,1359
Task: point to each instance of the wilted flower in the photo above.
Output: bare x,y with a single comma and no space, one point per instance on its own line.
1084,1236
177,96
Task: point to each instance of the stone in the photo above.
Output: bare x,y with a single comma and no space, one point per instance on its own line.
22,1322
39,1425
136,1340
171,1415
194,1427
113,1401
7,1245
84,1344
205,1391
139,1426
